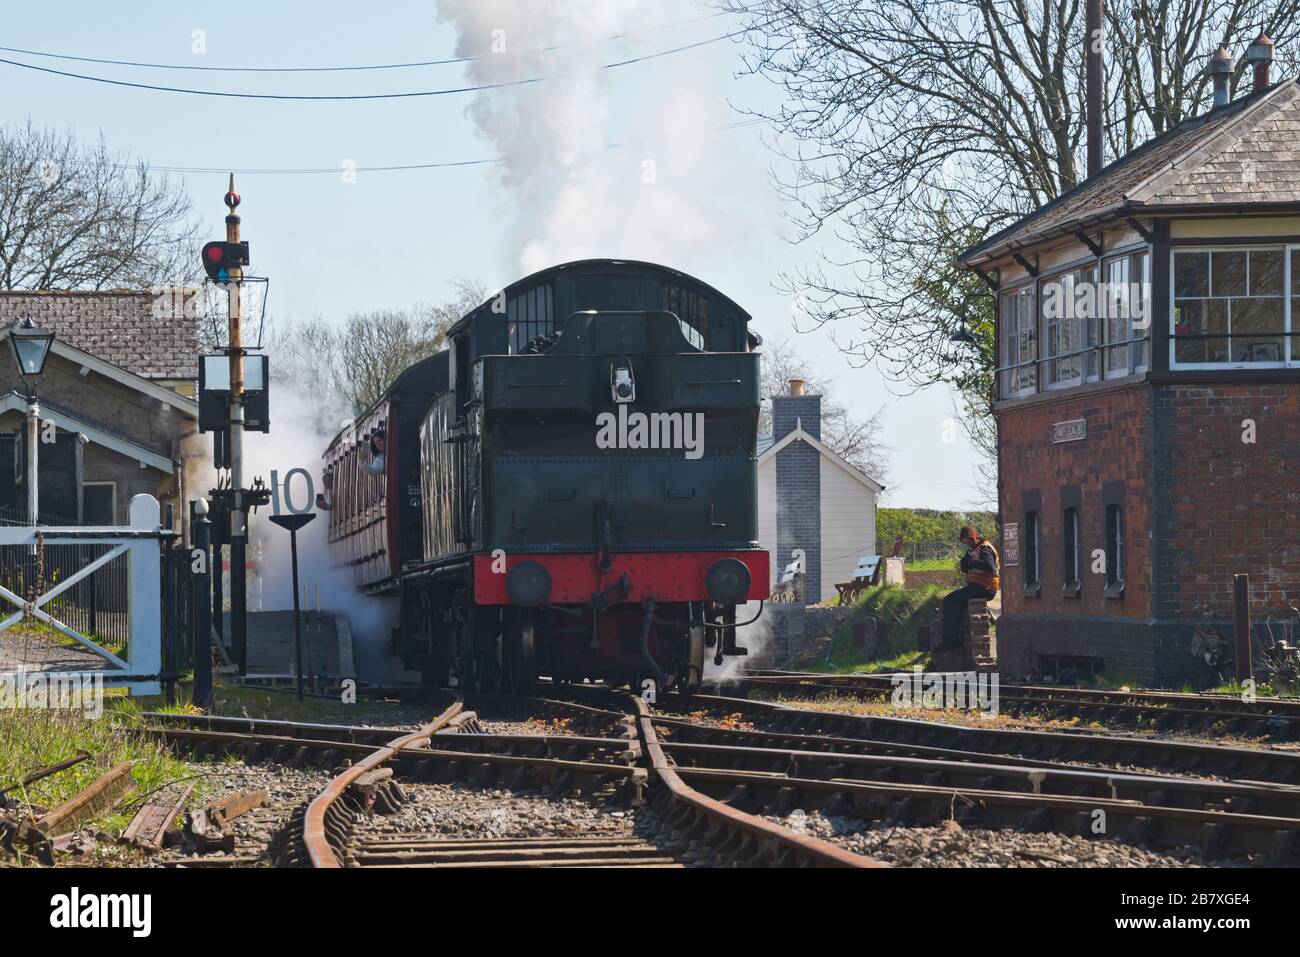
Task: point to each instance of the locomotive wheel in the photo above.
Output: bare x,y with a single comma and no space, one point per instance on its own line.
519,652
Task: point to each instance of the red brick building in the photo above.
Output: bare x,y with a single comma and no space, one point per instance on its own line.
1148,403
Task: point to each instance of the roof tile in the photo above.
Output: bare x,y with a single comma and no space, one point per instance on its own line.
120,326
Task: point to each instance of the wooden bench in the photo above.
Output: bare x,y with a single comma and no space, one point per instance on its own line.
789,587
866,574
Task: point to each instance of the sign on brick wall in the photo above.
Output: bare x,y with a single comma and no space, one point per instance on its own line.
1071,430
1011,543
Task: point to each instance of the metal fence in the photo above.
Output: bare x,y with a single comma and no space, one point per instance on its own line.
99,587
178,609
95,606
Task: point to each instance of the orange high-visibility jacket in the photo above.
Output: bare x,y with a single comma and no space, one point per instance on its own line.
977,563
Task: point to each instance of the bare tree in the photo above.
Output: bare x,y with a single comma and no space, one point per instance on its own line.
360,359
467,294
857,441
82,217
914,128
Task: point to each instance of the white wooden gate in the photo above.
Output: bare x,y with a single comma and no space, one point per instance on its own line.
139,542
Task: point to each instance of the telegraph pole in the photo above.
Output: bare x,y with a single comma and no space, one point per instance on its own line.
238,515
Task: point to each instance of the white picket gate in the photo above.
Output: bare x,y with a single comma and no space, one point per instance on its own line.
139,542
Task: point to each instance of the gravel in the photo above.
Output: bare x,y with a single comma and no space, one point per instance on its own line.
537,726
28,652
949,845
287,790
464,811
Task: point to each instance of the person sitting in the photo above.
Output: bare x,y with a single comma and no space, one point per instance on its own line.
980,565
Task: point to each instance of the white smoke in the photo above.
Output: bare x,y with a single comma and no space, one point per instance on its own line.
565,193
301,427
753,637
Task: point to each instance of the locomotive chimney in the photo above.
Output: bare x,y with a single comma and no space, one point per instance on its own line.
1093,42
796,386
1220,70
1260,55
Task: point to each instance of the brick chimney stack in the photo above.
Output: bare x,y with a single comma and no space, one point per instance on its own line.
798,483
1260,55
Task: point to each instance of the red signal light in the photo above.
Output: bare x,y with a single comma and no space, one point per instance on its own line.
220,257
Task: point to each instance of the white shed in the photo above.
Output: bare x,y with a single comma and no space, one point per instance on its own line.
814,501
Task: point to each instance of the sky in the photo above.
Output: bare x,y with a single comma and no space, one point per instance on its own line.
645,160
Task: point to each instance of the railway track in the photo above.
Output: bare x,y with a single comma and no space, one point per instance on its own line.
723,795
622,763
892,780
1276,718
1118,751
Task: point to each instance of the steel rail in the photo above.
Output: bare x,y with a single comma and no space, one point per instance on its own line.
828,744
1216,833
766,838
315,835
1225,704
1254,764
1151,790
480,747
1268,716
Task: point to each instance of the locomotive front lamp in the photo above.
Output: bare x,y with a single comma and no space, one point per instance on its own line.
31,347
621,384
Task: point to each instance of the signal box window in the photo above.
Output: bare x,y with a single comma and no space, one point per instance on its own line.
1072,580
1033,581
1230,307
1114,549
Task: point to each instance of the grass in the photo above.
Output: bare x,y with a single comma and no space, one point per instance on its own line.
259,703
1261,690
900,613
251,702
33,738
933,565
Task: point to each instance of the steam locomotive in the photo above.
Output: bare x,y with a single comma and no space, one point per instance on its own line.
569,489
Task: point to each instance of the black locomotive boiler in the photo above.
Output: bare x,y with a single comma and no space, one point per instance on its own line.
569,489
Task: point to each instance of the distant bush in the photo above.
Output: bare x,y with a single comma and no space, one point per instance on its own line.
930,534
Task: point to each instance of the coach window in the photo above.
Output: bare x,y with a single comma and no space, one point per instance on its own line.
463,373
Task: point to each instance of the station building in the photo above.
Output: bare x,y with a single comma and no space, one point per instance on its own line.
1148,396
119,391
